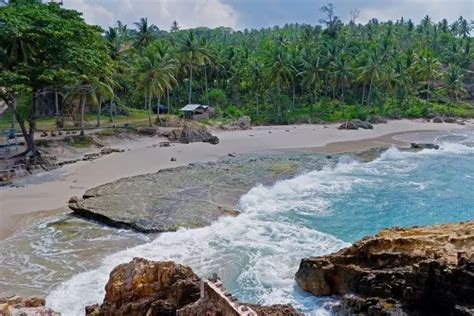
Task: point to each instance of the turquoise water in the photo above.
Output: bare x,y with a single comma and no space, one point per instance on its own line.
258,253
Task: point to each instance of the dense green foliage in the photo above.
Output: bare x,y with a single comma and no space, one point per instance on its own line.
308,73
289,74
46,49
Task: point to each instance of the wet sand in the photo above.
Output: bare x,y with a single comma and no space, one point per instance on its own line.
51,190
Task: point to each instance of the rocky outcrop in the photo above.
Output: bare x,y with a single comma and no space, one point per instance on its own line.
424,270
31,306
356,124
192,133
423,146
437,119
143,287
242,123
190,196
377,119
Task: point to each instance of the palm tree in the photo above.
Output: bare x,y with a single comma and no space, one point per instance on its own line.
257,77
116,37
279,72
342,73
89,90
311,74
454,82
146,33
192,54
428,67
155,72
371,70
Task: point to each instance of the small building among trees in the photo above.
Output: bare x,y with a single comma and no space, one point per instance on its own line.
197,111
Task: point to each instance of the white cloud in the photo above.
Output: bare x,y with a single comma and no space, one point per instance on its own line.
188,13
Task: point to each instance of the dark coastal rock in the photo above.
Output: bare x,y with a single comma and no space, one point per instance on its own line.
424,146
426,270
356,124
192,133
450,120
437,119
143,287
242,123
377,119
190,196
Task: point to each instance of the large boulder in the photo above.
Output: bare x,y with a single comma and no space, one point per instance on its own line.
143,287
356,124
437,119
149,288
192,133
377,119
428,269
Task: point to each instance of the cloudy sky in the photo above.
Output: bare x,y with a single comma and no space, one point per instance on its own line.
240,14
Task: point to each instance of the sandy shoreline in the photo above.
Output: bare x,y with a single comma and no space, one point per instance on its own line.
48,191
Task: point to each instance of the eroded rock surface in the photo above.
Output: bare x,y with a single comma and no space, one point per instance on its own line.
427,270
355,124
19,306
191,133
143,287
190,196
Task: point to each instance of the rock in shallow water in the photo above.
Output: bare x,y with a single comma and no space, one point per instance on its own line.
191,196
427,270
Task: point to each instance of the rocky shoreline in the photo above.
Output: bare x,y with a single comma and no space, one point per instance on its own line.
425,270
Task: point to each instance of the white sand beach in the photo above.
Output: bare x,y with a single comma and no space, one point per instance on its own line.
51,190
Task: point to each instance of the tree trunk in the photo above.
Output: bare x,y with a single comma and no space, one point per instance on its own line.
99,111
370,91
111,111
158,109
56,106
363,93
168,99
190,83
205,79
278,105
258,111
83,109
294,98
149,110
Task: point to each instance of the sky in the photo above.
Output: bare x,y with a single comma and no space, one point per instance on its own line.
241,14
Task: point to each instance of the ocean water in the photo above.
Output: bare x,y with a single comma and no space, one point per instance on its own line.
257,253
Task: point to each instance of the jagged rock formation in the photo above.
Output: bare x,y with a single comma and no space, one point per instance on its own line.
191,133
191,196
143,287
425,270
356,124
18,306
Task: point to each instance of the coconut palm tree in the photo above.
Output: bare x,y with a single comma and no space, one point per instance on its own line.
371,70
155,71
428,68
89,90
454,83
146,33
193,54
279,72
311,75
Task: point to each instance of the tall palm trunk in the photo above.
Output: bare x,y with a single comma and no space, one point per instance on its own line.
190,83
363,93
258,110
56,107
294,98
111,111
370,91
149,109
99,112
168,99
83,109
205,80
158,109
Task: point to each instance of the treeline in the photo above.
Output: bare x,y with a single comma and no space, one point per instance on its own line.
299,72
289,74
